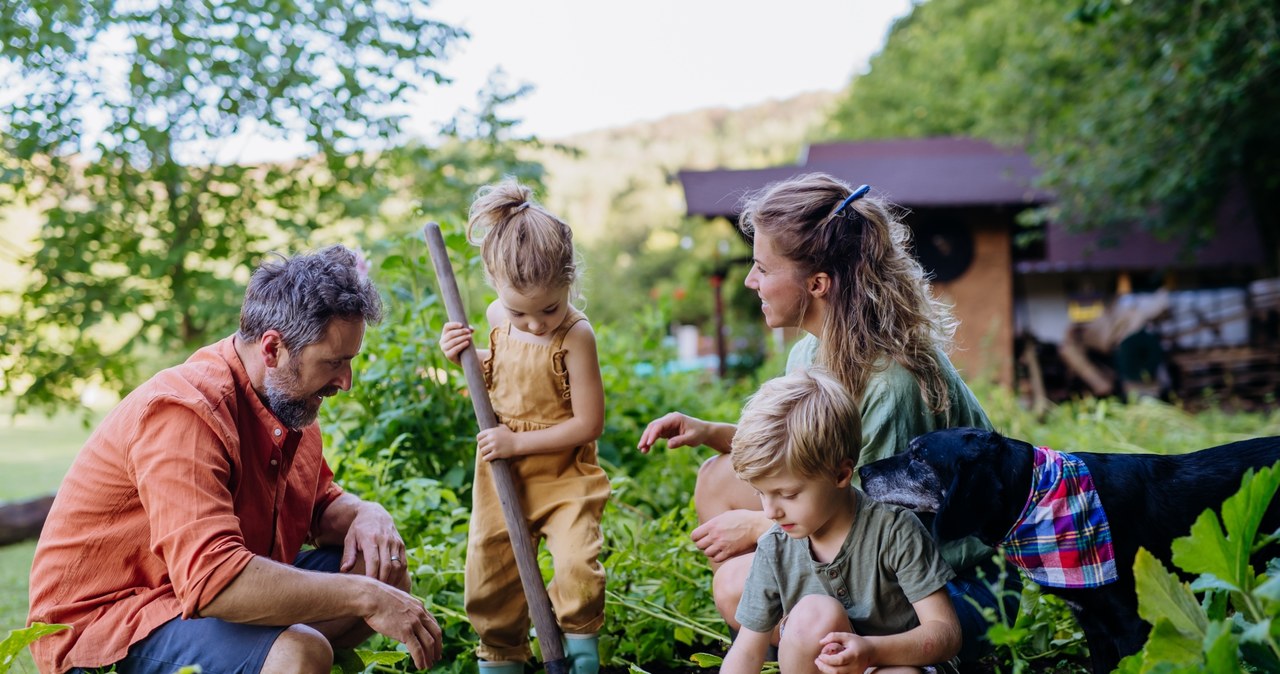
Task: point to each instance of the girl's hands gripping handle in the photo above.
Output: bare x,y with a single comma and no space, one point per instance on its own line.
454,338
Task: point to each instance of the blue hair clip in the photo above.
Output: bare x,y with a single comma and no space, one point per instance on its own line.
857,194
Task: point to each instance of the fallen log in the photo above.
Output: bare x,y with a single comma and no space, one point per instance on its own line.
22,520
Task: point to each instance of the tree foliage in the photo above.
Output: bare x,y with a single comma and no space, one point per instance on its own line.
1138,112
127,126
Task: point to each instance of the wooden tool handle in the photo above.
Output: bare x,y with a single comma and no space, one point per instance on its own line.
550,638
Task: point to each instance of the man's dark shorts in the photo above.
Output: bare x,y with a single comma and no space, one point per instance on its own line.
219,647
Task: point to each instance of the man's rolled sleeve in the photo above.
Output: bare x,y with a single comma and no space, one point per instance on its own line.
183,467
327,491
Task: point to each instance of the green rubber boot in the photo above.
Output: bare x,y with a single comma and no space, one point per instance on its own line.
501,667
583,651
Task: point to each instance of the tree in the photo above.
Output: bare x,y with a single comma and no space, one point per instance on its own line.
1139,113
124,124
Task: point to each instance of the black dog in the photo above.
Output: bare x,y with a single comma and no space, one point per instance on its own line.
977,483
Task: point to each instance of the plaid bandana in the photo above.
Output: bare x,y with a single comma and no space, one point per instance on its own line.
1063,538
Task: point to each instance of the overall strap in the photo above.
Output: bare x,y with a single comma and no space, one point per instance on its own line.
557,343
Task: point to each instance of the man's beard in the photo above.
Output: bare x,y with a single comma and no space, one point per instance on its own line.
293,410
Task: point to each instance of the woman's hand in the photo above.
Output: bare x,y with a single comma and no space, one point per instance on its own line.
679,430
454,338
498,442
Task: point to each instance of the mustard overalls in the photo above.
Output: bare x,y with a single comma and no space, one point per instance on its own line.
562,495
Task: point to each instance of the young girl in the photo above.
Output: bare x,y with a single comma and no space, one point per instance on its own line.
544,381
836,262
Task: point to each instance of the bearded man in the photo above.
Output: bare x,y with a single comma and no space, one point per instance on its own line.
176,537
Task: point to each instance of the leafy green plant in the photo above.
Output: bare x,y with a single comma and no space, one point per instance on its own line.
1236,625
1044,631
19,639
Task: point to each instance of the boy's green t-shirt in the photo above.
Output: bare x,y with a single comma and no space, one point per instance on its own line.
887,563
894,412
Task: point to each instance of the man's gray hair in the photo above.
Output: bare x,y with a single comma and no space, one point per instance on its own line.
298,296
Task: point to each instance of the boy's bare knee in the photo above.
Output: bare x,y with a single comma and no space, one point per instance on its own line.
299,650
814,617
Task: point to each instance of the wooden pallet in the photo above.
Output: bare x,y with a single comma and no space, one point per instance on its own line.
1245,371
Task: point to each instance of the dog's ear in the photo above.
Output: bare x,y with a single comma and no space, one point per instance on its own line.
974,491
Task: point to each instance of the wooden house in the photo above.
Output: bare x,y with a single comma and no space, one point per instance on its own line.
963,198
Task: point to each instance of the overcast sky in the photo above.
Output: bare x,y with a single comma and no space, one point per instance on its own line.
603,63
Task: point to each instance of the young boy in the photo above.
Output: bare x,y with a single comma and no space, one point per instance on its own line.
849,582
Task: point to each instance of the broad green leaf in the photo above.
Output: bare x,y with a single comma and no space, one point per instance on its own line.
380,657
1004,635
1221,647
1256,632
706,660
1209,551
347,661
1206,549
1167,644
1162,597
1269,590
20,638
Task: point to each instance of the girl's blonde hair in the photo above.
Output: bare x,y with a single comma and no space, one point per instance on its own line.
880,303
522,244
805,422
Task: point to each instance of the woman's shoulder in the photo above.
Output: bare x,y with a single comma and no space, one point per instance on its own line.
803,353
891,380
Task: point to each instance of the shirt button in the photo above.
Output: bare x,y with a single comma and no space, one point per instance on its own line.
277,432
841,592
274,462
833,573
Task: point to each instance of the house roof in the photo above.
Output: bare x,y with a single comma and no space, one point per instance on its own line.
913,173
967,172
1235,243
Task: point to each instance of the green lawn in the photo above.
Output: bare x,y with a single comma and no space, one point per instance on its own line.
35,452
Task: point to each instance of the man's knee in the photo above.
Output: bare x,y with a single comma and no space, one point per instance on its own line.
717,488
299,650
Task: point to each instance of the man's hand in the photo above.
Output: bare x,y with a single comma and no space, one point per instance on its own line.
401,616
730,534
373,535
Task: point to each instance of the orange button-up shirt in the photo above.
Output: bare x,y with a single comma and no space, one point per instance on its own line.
182,484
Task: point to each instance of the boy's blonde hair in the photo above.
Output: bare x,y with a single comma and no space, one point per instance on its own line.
522,244
805,422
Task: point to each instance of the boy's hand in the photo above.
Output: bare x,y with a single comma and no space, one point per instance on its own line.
454,337
498,442
845,653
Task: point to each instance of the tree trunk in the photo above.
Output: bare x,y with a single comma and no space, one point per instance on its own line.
22,520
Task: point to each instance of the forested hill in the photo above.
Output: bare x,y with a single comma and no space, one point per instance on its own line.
624,177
